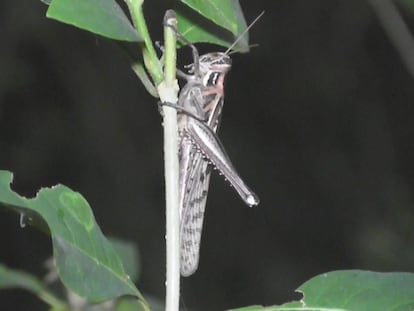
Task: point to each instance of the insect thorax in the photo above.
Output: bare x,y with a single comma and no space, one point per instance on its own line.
215,62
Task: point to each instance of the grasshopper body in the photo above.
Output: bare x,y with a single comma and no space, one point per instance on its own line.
200,150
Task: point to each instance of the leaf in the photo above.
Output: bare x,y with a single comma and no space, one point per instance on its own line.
226,14
252,308
85,260
129,255
194,32
103,17
128,304
353,290
10,278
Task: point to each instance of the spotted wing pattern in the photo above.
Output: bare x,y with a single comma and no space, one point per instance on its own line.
192,213
195,173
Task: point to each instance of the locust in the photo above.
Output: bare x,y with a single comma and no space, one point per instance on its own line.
199,107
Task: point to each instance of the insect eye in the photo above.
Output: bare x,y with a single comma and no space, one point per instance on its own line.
212,79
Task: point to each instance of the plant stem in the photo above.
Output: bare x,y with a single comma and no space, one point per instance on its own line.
55,303
139,70
152,64
167,87
168,91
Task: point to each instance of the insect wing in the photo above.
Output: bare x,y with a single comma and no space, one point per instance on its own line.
195,171
192,213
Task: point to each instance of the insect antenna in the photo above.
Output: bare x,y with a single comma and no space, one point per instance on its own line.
243,33
249,46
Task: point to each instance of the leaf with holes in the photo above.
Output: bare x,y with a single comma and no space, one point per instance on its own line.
352,290
85,260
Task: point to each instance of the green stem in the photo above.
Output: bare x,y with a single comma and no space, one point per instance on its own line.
55,303
170,48
139,70
168,91
151,61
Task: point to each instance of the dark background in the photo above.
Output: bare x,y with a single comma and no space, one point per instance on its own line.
318,120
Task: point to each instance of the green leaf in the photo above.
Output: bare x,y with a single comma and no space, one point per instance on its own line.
10,278
85,260
226,14
353,290
129,255
128,304
103,17
252,308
